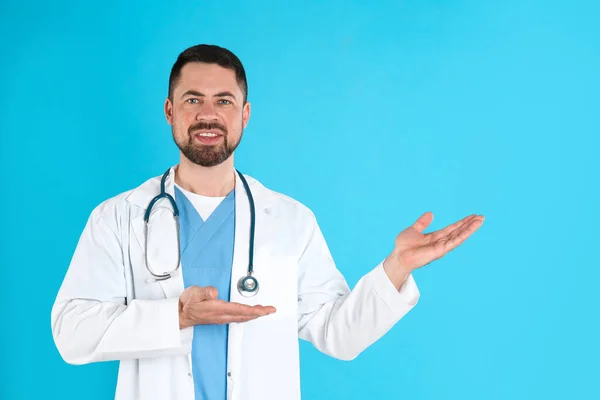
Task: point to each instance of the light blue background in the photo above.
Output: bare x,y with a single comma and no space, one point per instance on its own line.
371,113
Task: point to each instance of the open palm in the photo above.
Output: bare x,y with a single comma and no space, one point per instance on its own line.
414,249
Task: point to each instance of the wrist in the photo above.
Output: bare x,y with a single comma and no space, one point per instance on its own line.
183,321
396,272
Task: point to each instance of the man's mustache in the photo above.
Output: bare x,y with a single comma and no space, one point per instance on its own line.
207,126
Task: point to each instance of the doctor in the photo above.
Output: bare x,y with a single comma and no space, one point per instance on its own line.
167,296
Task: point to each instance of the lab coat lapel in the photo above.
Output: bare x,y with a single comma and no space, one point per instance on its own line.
240,267
163,239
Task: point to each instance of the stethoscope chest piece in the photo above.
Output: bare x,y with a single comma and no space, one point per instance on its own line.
248,286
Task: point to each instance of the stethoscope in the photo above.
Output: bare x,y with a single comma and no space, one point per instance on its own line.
247,285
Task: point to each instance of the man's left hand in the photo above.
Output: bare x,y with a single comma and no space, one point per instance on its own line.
414,249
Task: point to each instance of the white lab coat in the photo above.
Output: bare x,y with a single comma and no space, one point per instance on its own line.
106,308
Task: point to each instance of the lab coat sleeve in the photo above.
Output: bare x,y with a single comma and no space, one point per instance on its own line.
90,319
340,322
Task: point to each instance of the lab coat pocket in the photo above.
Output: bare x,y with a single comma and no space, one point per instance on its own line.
277,277
269,348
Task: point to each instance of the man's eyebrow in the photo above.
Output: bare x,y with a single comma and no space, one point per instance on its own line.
225,94
193,93
198,94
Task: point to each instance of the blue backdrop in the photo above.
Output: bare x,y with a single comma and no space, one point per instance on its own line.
371,113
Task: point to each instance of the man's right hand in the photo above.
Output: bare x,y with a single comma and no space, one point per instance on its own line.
200,305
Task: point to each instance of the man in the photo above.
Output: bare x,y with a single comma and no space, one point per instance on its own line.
167,300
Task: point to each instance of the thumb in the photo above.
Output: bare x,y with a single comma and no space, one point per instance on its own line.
423,222
208,293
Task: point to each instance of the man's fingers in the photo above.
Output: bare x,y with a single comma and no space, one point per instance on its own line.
243,310
235,312
450,228
459,235
223,312
208,293
423,222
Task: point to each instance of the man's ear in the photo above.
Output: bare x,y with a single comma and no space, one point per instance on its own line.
169,111
246,114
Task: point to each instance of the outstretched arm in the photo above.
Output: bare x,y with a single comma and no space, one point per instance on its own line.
343,323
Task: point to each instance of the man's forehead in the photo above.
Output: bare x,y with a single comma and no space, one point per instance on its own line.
206,77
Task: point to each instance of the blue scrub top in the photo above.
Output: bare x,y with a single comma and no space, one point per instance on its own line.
206,259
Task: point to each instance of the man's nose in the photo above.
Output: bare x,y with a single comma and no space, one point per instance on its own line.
206,111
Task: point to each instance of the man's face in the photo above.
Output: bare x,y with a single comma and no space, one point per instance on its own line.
207,113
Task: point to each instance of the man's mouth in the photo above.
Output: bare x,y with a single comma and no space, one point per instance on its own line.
210,137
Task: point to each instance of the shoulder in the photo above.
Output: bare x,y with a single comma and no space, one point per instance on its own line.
109,213
289,222
117,208
281,205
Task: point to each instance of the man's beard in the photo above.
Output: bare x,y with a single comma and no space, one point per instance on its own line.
206,155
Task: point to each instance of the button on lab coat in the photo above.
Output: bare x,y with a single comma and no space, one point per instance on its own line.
109,308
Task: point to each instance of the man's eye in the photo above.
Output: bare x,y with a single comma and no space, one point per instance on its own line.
224,101
192,101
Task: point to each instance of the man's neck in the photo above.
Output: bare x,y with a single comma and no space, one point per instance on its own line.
217,181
